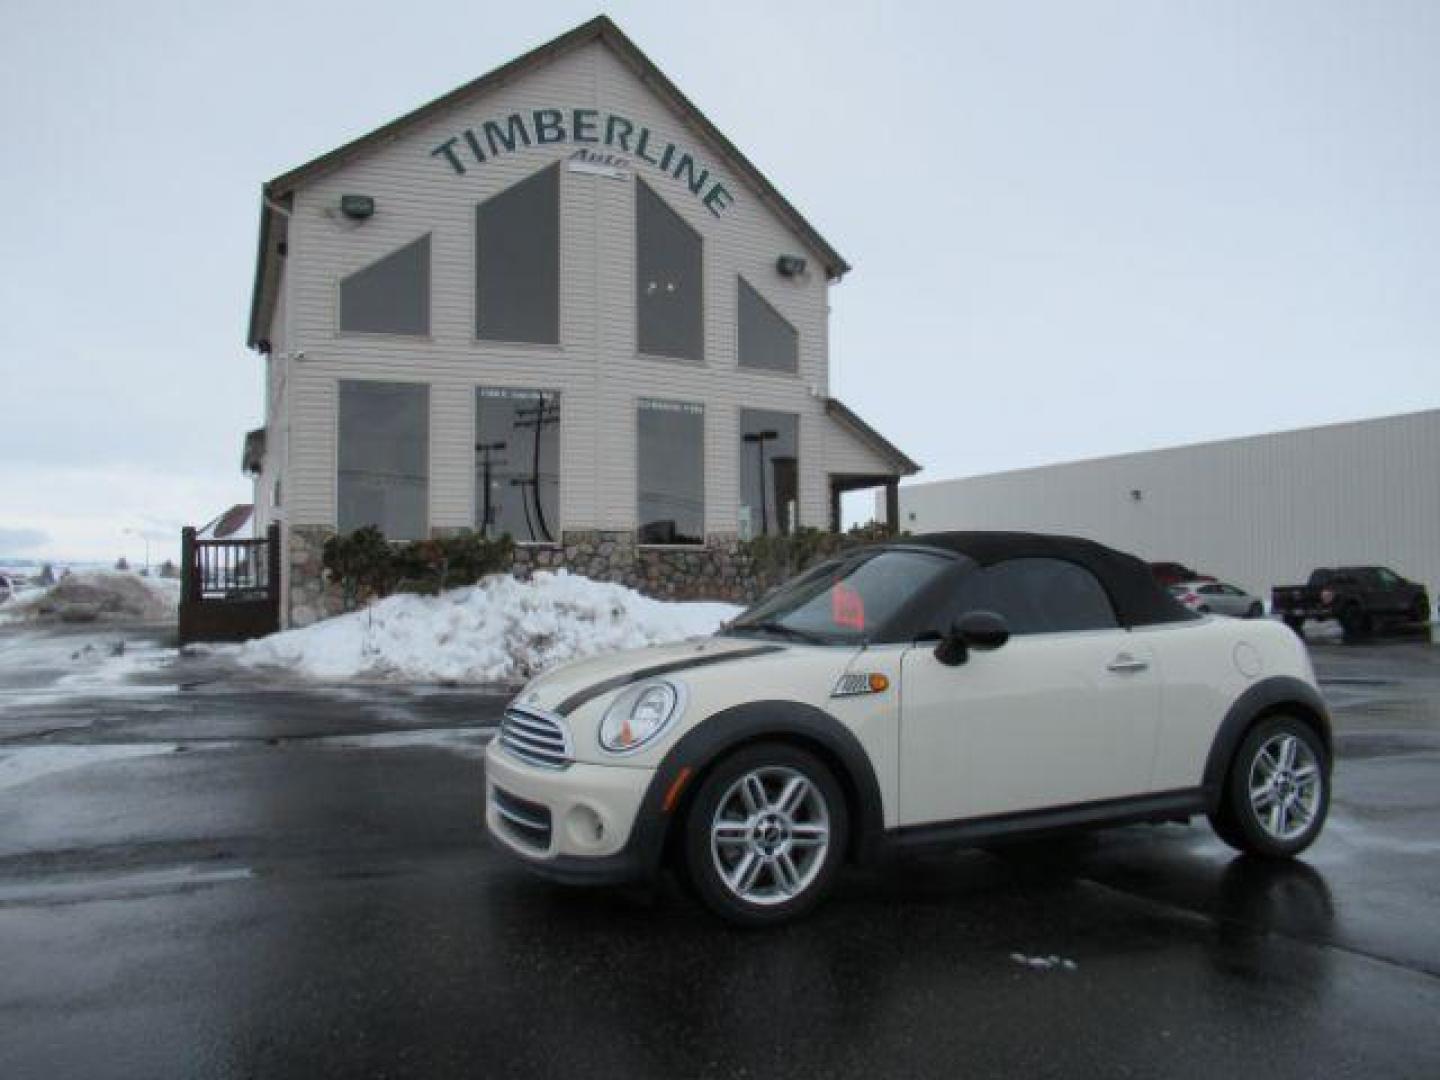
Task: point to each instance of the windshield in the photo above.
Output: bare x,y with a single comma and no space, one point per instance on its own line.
868,597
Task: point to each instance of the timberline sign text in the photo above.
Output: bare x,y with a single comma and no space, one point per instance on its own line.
542,127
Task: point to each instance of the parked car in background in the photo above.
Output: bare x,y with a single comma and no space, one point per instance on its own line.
1174,573
9,586
1359,597
932,691
1219,598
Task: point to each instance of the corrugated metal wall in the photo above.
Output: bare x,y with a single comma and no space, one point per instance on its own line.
1259,511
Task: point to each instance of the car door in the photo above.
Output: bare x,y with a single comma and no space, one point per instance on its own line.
1066,712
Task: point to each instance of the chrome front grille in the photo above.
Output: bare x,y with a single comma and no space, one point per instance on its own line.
536,737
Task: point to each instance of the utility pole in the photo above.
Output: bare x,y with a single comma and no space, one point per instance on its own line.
760,438
545,413
487,463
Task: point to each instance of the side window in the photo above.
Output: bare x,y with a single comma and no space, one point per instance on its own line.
1387,579
1210,590
391,296
1038,596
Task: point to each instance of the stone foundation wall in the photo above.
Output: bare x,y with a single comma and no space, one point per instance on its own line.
718,571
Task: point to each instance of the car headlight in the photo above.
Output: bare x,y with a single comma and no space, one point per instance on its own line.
639,714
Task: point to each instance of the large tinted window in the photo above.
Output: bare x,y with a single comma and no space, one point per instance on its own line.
671,446
384,457
1037,596
667,279
517,251
766,340
517,464
391,296
769,471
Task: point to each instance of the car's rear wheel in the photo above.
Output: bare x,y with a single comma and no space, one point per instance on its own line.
1256,610
766,834
1277,794
1297,625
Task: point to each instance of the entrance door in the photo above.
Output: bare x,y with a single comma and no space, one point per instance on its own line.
1065,712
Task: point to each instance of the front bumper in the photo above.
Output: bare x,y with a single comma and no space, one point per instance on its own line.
577,825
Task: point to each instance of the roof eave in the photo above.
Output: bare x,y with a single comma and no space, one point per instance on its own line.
598,28
839,411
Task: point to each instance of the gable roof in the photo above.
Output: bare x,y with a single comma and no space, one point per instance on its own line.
847,418
276,193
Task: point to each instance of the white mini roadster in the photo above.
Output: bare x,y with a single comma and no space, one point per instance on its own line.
951,688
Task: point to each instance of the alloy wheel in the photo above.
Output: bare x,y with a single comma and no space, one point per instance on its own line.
770,835
1285,786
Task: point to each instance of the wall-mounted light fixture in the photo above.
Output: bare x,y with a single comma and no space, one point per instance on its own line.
357,207
790,265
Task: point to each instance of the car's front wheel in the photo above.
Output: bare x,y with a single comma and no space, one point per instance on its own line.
765,835
1278,791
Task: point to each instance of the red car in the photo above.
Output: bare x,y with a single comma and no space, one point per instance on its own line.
1174,573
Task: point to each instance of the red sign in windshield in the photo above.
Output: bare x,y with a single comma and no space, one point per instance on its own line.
847,607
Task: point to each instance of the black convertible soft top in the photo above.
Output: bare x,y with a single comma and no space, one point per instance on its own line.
1138,598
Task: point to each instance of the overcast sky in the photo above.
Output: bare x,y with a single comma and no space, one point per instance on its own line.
1078,228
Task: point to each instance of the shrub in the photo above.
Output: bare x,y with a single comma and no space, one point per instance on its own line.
365,565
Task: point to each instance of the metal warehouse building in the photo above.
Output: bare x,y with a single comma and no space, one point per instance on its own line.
1258,511
558,304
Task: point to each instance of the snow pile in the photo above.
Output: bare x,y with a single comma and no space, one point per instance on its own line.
87,595
501,630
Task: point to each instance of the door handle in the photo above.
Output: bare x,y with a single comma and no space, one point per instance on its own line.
1126,662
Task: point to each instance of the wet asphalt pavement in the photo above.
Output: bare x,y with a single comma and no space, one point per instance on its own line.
203,875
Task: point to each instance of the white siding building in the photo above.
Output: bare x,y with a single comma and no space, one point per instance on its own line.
557,303
1259,511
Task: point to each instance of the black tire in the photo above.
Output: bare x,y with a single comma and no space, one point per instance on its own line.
775,762
1297,625
1257,610
1237,821
1203,609
1354,622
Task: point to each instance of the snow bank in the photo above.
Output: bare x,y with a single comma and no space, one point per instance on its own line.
87,595
501,630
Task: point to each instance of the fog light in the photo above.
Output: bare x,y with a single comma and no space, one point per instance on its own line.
584,827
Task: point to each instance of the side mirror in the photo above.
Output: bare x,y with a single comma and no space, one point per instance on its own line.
983,630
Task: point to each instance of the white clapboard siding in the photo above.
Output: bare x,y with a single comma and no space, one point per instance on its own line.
596,367
1259,511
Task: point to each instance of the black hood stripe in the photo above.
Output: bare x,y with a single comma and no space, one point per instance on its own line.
574,701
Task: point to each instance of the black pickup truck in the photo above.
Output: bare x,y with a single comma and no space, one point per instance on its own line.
1360,597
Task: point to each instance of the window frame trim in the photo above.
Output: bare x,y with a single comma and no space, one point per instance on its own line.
703,360
798,523
740,280
337,285
429,530
556,348
704,540
475,389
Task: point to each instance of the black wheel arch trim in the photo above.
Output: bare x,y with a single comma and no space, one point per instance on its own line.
753,721
1268,696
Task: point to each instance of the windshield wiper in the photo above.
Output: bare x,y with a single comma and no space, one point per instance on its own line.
785,631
